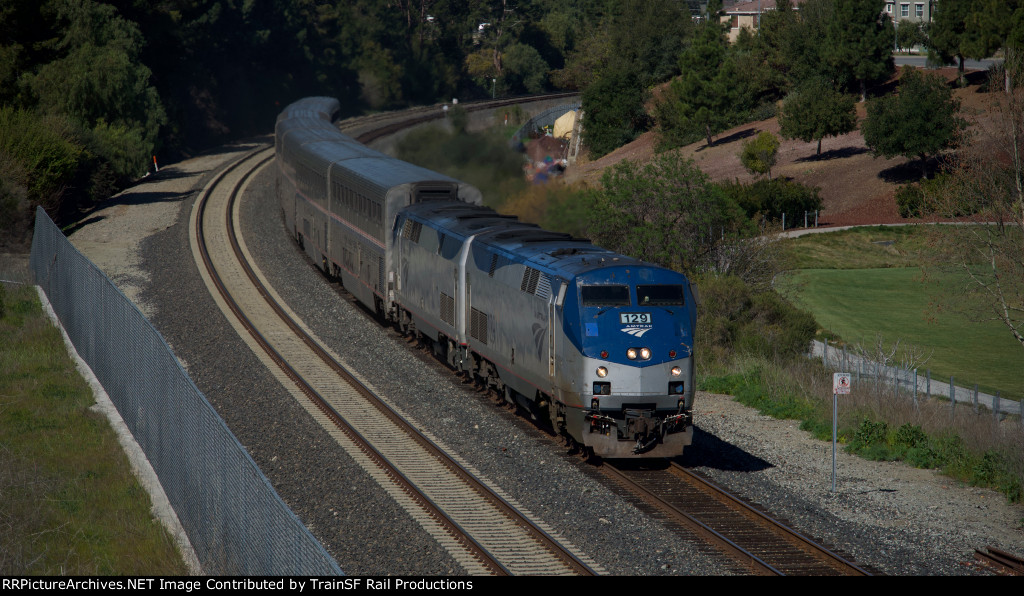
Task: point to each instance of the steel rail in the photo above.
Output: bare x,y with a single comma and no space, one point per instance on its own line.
709,534
1000,560
819,550
738,542
454,530
547,541
539,535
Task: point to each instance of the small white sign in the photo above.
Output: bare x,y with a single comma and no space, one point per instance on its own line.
841,383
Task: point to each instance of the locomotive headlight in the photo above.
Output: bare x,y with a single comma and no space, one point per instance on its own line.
631,353
676,371
645,354
602,372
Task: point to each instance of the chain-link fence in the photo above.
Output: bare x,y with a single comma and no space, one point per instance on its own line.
236,522
912,383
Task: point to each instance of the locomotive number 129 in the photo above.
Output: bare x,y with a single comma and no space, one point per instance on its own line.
632,318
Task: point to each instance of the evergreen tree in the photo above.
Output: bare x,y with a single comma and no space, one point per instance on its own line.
815,111
947,39
860,42
638,47
804,43
704,95
995,24
919,121
614,110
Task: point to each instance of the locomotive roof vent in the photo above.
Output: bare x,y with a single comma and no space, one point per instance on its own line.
437,193
569,252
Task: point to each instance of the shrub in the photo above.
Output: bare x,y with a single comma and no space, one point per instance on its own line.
909,436
759,154
909,200
45,147
772,198
735,318
870,432
923,198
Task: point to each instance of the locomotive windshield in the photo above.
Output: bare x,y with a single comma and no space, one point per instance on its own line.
662,295
605,295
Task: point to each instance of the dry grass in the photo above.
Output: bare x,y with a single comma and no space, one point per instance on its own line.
979,433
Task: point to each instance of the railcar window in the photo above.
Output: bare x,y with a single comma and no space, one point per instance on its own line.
605,295
661,295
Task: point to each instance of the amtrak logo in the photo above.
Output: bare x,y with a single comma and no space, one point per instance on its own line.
540,333
637,331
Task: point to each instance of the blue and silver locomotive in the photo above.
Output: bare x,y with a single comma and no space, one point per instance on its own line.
599,343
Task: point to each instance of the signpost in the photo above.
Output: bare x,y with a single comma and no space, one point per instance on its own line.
840,386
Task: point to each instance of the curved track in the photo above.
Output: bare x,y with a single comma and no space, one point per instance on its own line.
481,528
764,545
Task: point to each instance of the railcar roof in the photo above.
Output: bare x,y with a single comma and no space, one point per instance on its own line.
383,172
460,219
302,136
551,252
312,107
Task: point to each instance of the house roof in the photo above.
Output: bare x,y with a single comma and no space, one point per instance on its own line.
753,6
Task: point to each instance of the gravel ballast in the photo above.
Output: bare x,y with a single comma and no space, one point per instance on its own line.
889,516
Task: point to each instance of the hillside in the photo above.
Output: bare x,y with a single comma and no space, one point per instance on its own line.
856,188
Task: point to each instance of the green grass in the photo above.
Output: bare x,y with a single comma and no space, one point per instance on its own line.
865,282
70,505
859,248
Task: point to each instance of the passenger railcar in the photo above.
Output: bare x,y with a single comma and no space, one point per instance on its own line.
599,343
340,197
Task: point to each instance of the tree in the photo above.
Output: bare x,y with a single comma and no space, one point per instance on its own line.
909,34
614,108
987,178
666,211
860,42
758,154
815,111
775,35
946,35
804,43
703,96
995,24
919,121
97,77
636,48
525,69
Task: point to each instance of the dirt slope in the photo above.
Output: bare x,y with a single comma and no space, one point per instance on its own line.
856,188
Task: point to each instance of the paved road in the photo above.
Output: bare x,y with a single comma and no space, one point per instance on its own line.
922,62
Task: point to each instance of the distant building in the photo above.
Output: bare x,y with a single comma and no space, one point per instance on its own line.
918,11
747,14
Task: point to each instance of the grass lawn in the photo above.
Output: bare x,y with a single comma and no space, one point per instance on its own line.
865,282
69,504
857,304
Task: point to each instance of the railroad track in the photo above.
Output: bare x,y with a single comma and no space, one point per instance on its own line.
1002,562
482,529
367,129
762,544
